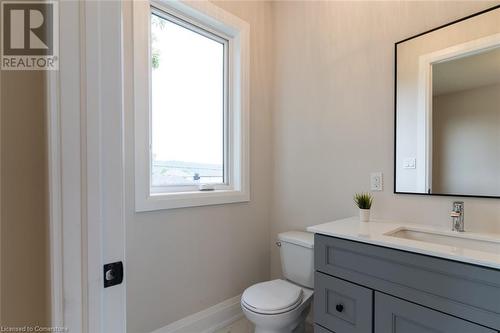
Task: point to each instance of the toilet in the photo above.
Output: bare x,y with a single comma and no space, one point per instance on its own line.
282,305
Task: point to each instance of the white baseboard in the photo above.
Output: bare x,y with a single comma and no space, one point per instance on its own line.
208,320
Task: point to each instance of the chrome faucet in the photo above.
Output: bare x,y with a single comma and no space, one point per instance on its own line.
457,215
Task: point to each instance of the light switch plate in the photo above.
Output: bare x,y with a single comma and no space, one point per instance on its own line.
376,181
410,163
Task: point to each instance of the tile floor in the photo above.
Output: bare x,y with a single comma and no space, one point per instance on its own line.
244,326
241,326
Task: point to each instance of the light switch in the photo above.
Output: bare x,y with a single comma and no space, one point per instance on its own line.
376,181
410,163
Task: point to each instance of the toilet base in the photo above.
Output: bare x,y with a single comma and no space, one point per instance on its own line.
298,326
301,328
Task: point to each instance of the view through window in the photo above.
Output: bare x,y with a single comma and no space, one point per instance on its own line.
188,79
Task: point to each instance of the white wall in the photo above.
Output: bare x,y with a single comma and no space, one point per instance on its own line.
182,261
333,112
466,137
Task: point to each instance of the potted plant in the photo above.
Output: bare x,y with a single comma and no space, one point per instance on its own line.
364,202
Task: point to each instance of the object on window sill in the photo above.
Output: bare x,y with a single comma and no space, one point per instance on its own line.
206,187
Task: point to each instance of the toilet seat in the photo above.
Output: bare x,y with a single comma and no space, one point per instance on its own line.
272,297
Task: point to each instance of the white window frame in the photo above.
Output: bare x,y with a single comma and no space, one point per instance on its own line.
236,161
221,38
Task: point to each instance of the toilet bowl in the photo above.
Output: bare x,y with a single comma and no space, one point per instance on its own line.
281,306
284,310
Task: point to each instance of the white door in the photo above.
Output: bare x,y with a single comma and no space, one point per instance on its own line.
85,100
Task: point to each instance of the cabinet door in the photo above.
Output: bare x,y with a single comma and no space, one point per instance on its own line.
398,316
342,307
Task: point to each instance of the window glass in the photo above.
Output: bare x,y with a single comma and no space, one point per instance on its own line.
187,105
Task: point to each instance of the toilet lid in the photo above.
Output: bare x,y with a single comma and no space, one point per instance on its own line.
276,296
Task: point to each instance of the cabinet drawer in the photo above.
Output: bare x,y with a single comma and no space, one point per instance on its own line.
319,329
398,316
462,290
342,307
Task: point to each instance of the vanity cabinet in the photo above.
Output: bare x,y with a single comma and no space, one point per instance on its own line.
343,305
361,288
395,315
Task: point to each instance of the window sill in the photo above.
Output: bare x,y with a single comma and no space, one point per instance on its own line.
160,201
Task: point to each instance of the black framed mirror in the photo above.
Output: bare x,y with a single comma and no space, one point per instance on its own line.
447,109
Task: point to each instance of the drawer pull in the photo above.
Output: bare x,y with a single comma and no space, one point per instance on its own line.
339,307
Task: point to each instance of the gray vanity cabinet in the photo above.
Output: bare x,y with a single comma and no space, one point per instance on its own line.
343,305
398,316
364,288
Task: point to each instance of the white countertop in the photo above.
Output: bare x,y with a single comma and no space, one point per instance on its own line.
375,232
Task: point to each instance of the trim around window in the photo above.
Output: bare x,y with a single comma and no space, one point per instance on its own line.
208,17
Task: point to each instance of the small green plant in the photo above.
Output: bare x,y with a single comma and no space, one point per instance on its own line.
363,200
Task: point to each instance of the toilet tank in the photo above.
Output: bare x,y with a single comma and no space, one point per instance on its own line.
297,257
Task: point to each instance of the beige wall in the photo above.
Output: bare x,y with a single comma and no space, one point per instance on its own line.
24,216
324,71
182,261
333,112
466,137
321,120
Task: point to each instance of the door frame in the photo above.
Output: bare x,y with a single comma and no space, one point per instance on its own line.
86,167
425,111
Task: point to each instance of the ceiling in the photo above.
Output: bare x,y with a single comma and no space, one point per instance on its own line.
465,73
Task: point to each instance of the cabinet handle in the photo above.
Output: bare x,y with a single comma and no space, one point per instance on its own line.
339,307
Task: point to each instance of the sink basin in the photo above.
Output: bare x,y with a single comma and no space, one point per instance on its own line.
458,241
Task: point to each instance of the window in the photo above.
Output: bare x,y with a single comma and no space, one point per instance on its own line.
191,101
188,105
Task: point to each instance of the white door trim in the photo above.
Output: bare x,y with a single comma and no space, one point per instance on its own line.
86,199
424,125
55,200
65,185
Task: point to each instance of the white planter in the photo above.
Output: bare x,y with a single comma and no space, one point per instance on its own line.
364,215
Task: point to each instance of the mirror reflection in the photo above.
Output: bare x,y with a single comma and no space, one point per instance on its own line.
466,124
448,110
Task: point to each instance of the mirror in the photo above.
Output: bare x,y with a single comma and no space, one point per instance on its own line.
447,109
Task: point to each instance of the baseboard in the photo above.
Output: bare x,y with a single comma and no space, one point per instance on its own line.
208,320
